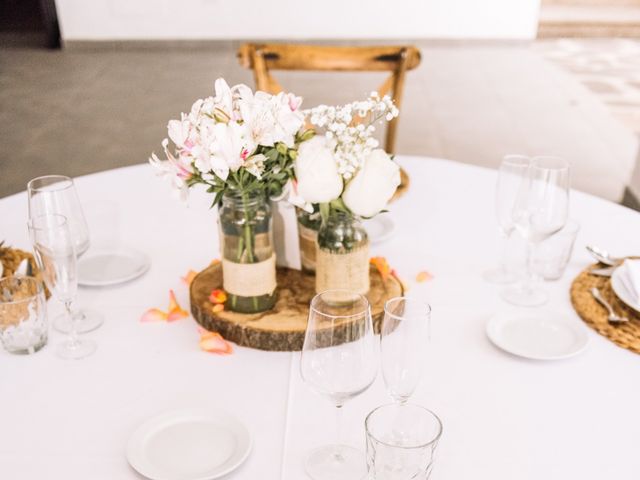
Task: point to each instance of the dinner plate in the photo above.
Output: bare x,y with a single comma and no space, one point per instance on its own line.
379,228
189,444
621,290
537,335
99,268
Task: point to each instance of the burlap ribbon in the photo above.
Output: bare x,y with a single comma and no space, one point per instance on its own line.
346,271
307,238
249,279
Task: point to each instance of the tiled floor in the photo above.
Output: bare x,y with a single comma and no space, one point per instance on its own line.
80,111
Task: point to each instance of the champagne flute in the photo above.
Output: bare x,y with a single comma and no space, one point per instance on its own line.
56,194
56,257
541,209
403,345
339,362
511,174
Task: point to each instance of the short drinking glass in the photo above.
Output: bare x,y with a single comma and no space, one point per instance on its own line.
23,315
403,345
401,442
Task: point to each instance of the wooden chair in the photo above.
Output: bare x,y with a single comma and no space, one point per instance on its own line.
263,58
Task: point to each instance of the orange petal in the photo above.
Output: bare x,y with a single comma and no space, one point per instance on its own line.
154,315
382,266
218,296
423,276
188,278
175,310
218,308
215,261
213,342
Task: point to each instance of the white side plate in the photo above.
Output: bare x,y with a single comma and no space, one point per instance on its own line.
101,268
537,335
379,228
620,289
189,444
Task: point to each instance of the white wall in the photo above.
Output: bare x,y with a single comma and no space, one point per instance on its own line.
303,19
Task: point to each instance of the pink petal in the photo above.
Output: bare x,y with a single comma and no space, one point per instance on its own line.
154,315
213,342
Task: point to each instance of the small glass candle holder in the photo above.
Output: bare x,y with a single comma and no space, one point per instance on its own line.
23,317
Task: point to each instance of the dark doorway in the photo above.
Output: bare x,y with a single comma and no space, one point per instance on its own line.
29,23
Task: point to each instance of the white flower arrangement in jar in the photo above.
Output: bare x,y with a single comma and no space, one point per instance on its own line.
342,177
241,146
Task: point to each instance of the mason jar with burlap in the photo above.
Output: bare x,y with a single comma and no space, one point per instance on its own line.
248,257
342,255
308,226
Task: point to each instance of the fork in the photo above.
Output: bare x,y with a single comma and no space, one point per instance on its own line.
613,316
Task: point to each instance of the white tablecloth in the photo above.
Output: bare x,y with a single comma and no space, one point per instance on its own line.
504,418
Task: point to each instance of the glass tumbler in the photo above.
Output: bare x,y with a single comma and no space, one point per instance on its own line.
401,442
23,317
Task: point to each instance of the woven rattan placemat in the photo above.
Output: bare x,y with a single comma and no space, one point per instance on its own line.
625,335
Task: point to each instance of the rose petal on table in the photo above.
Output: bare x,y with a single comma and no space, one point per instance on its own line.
382,266
188,278
154,315
217,308
213,342
423,276
217,296
176,312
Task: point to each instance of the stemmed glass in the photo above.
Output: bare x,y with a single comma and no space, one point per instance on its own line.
339,362
56,257
541,209
511,175
403,345
56,194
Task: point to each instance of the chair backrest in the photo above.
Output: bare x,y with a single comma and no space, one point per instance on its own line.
263,58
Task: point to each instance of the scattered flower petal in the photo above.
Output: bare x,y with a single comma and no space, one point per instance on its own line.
153,315
423,276
217,308
175,312
217,296
188,278
213,342
382,266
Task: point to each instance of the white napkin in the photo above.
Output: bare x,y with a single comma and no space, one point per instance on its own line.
631,277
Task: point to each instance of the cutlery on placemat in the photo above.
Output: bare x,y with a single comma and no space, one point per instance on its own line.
603,256
613,316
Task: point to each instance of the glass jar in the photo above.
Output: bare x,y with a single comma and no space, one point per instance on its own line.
342,255
248,258
308,226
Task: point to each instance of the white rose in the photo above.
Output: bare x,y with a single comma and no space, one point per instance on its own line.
373,186
316,172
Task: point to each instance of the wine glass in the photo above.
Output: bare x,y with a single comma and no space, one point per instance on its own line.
339,362
511,174
56,257
403,345
56,194
541,209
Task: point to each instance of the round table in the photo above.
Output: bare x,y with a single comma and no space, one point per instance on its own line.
504,417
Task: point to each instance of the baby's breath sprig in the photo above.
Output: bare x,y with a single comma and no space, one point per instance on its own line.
350,128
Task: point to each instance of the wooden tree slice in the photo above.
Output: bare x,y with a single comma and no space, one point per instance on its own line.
283,328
